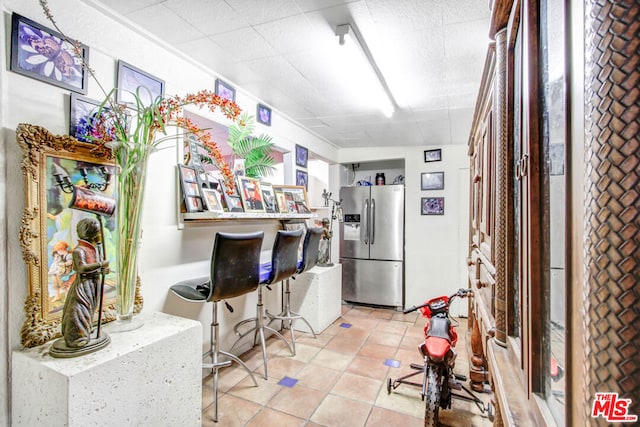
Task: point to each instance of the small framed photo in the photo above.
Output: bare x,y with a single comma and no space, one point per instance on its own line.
212,200
83,115
238,167
302,178
251,194
302,156
432,181
281,201
43,54
190,189
225,90
231,202
263,115
295,198
269,198
134,83
433,155
432,206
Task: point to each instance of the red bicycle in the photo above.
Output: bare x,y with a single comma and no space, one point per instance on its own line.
439,380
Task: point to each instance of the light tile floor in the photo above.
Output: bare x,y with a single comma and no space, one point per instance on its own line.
341,378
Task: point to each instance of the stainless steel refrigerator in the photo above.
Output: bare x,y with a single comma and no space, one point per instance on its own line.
372,244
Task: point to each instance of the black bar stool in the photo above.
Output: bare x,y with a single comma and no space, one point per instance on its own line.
235,271
284,263
310,250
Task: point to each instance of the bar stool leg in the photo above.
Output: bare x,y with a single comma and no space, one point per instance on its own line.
290,316
215,365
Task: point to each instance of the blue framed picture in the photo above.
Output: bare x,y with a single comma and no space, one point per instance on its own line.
225,91
302,178
302,156
44,55
84,119
134,82
263,115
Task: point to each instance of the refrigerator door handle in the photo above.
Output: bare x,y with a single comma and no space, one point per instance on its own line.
373,220
366,222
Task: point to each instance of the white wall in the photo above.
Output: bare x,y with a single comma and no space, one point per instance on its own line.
168,254
435,246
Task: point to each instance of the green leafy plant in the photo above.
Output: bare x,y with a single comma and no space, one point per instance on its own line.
257,151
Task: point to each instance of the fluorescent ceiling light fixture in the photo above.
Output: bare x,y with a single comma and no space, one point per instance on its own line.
357,61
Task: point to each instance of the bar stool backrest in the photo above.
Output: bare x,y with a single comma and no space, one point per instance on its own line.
284,258
310,249
235,265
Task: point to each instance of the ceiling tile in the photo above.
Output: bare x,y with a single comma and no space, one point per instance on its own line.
464,10
208,16
125,7
460,124
405,15
260,11
312,5
244,44
289,34
165,24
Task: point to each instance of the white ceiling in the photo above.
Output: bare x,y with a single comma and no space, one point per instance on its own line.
430,52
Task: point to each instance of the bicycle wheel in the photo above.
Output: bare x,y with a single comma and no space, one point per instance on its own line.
432,401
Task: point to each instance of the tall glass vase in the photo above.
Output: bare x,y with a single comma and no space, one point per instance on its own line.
132,160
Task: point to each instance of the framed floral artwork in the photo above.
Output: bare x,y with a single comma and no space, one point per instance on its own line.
225,90
432,206
134,83
263,115
302,178
83,118
43,54
302,156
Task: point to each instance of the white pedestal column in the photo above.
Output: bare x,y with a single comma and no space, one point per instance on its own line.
317,296
151,376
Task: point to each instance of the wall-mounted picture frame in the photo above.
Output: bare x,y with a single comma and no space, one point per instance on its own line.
225,90
191,189
432,181
83,113
302,178
432,206
49,226
251,194
212,200
269,198
433,155
43,54
302,156
263,115
134,82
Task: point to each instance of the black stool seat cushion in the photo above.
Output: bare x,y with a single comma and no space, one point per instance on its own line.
234,269
310,249
284,257
193,290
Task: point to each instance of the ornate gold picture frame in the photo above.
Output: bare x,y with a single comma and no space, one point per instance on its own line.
52,164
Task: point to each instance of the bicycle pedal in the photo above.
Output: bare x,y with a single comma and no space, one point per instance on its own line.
416,366
460,377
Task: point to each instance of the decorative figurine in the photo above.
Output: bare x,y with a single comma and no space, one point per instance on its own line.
84,295
324,256
325,253
326,196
